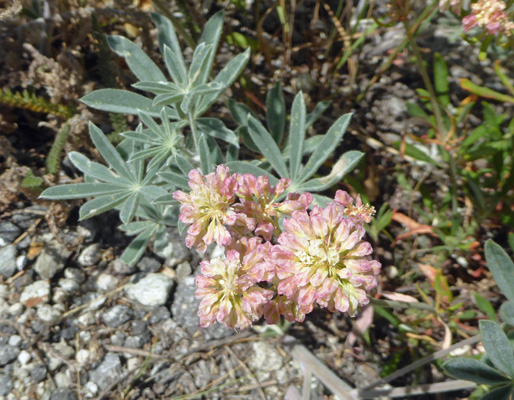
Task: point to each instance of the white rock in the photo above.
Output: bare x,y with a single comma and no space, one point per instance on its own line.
86,319
24,357
8,260
133,363
16,309
82,356
15,340
91,388
85,336
62,380
47,313
89,256
21,262
51,260
36,293
4,307
4,291
106,282
151,291
68,285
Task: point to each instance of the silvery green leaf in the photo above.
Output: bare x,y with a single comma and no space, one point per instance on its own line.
276,112
102,204
309,145
267,146
507,312
108,151
232,153
164,200
137,60
501,267
473,370
175,67
240,112
199,63
316,113
205,157
157,87
94,169
128,210
144,154
225,79
137,247
243,167
330,141
122,101
216,156
497,346
345,164
183,164
321,200
176,179
297,134
211,37
186,102
167,99
243,133
80,191
217,129
136,227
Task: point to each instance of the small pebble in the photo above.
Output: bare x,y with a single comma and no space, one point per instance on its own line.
151,291
106,282
35,293
15,340
24,357
47,313
90,255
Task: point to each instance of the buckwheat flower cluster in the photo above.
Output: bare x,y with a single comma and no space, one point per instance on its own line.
489,15
318,257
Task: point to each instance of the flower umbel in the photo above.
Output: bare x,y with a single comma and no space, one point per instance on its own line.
228,290
322,258
489,15
208,208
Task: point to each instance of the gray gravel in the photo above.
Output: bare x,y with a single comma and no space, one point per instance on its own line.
8,261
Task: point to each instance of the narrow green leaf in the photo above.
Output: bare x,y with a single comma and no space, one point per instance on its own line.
176,70
466,84
276,112
176,179
211,36
321,200
225,78
199,64
497,346
243,167
507,312
205,158
122,101
168,38
267,146
136,227
183,164
416,153
137,247
95,170
485,306
157,87
217,129
137,60
232,153
101,204
473,370
345,164
297,134
441,79
128,210
109,152
317,112
80,191
502,268
330,141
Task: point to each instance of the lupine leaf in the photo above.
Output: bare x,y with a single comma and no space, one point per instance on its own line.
211,36
156,87
316,113
176,179
329,143
95,170
473,370
225,78
501,267
108,151
276,112
501,393
267,146
497,346
297,134
139,63
176,69
217,129
205,158
507,312
167,37
199,62
122,101
129,208
183,164
137,247
80,191
102,204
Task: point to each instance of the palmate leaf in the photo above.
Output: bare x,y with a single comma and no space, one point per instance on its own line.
122,186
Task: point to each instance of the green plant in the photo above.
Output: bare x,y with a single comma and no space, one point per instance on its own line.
174,138
496,368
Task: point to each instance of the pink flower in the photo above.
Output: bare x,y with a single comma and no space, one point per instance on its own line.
469,22
259,202
322,258
227,287
489,15
208,208
364,212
